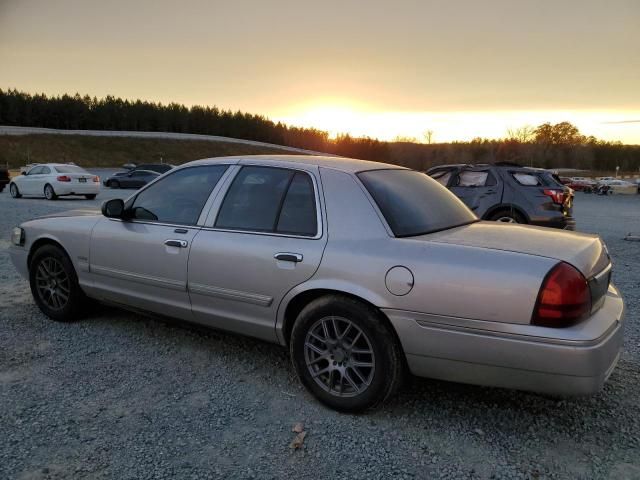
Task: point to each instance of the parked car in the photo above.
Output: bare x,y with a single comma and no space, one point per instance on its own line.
510,193
133,179
360,269
155,167
619,187
4,178
582,184
53,180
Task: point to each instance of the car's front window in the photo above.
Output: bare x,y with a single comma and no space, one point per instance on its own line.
179,197
414,204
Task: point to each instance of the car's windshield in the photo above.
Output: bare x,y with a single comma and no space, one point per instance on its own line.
70,169
413,203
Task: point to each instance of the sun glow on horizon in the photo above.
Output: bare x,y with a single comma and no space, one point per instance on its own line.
360,120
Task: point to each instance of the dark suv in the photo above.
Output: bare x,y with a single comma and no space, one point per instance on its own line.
510,193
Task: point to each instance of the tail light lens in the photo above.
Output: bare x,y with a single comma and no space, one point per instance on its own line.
96,179
557,196
64,178
564,298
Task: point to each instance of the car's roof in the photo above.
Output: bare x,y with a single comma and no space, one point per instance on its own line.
350,165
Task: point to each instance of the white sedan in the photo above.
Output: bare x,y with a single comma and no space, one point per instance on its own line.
52,180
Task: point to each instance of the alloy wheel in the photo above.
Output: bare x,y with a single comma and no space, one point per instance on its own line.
13,190
339,356
52,283
48,192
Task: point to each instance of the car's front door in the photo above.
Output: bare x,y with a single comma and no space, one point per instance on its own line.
142,262
261,239
30,182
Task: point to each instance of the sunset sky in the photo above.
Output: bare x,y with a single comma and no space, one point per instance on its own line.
380,68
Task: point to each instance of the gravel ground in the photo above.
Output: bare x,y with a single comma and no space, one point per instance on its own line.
123,396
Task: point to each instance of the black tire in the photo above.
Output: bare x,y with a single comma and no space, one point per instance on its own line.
74,307
91,196
379,383
507,216
114,184
49,192
13,190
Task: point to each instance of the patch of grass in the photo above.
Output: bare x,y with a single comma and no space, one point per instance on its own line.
89,151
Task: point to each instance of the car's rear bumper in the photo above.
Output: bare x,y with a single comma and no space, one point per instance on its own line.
74,188
571,363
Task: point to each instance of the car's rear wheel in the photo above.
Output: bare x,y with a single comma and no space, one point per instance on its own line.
346,354
13,190
114,184
49,192
508,216
90,196
54,285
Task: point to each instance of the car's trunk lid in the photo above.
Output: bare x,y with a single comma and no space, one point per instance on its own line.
584,251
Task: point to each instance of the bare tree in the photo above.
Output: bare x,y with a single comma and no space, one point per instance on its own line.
523,134
428,136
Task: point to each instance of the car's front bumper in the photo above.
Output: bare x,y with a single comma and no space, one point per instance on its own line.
574,361
19,259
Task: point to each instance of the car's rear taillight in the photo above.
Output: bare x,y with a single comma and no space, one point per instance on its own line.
557,196
96,179
64,178
564,298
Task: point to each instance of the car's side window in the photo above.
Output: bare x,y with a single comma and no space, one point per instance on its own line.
45,171
298,214
442,176
471,178
269,199
527,179
35,171
179,197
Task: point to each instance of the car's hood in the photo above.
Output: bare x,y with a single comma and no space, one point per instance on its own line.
584,251
80,212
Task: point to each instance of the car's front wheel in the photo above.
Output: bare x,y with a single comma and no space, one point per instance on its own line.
346,354
114,184
13,190
54,284
49,192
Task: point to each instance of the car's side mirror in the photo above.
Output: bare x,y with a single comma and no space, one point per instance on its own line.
113,208
23,173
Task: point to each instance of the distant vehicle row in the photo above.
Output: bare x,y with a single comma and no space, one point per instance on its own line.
53,180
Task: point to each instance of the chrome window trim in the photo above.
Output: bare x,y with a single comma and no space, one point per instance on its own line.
203,213
213,214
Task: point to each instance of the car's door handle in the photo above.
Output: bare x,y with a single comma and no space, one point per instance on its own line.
288,257
176,243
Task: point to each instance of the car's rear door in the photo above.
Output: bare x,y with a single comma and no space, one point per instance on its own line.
478,188
263,237
142,262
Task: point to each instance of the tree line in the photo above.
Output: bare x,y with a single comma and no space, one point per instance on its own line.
547,145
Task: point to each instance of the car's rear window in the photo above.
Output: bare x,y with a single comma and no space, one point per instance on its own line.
70,169
414,204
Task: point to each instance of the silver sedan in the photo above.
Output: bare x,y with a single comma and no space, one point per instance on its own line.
364,271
